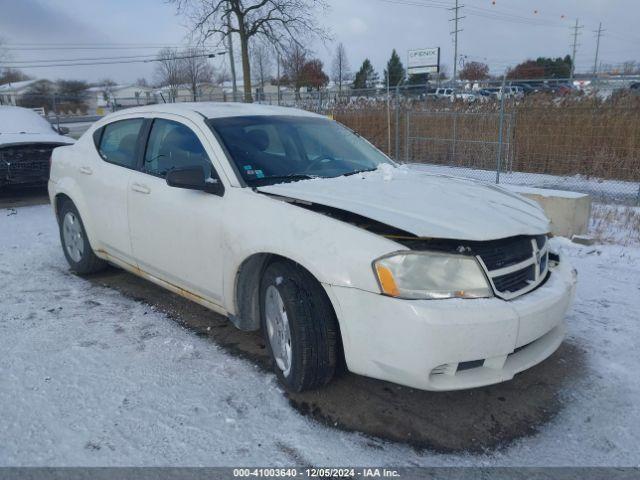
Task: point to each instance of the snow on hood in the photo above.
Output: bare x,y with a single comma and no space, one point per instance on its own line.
424,204
20,125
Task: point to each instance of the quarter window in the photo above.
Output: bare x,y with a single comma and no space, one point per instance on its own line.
119,141
173,145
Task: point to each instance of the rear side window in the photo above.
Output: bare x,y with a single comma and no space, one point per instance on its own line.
119,141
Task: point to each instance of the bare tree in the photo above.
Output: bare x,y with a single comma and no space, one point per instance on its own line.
293,62
261,63
169,70
340,72
10,75
474,71
196,70
275,21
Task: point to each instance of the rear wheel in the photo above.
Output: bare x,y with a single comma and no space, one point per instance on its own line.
75,243
299,326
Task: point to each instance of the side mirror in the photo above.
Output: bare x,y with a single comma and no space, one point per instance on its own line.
193,178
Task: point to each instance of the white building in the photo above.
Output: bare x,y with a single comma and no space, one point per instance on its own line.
106,98
12,93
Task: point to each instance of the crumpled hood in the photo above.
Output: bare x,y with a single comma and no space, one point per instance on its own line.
424,204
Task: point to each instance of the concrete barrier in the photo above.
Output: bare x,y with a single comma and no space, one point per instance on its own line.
569,212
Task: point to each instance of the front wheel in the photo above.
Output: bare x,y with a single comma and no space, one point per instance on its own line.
299,326
75,243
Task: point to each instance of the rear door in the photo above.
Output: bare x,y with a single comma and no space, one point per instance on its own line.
176,233
106,182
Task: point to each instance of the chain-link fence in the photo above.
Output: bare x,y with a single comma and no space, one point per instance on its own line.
546,134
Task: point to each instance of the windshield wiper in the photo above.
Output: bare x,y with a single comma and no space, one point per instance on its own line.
294,177
359,171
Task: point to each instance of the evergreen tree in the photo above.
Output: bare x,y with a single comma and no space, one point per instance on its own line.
366,76
395,70
418,79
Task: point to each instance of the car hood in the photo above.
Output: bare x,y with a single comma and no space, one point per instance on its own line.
7,139
424,204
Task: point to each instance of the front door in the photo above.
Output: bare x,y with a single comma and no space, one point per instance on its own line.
176,233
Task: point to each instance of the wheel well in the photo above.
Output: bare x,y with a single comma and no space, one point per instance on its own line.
59,200
247,292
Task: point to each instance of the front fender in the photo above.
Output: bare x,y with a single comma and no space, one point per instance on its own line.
334,252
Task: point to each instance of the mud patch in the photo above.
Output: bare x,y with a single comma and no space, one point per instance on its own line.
476,420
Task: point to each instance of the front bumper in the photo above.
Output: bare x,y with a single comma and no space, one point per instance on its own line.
452,344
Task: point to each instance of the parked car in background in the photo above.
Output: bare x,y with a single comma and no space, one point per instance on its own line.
453,94
26,142
443,92
286,221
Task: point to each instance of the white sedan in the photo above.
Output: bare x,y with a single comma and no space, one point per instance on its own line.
286,221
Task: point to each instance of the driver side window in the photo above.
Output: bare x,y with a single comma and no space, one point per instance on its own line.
173,145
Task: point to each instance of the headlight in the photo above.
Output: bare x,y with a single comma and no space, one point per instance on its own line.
431,275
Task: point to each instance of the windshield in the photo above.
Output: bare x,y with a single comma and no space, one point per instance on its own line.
275,149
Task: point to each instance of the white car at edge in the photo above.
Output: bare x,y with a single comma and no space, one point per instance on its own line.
285,221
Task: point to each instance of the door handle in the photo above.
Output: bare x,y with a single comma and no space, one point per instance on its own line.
138,187
85,170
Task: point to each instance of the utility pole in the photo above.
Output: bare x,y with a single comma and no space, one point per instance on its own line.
232,61
456,30
574,45
278,78
595,63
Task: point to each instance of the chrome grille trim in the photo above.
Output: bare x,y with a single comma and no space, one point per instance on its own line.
538,259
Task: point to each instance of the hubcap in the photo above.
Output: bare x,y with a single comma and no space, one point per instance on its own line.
72,235
278,329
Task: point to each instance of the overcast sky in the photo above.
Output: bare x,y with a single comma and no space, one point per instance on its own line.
498,32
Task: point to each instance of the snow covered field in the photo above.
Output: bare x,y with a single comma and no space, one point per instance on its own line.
617,191
89,377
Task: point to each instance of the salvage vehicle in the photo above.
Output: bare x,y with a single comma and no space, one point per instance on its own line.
26,142
284,220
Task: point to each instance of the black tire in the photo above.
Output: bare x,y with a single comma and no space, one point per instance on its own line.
313,326
87,262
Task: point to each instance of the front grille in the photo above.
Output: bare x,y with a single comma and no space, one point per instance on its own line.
513,282
516,266
504,253
25,163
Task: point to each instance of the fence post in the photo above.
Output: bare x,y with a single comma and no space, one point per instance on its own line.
406,146
397,123
500,127
454,142
55,111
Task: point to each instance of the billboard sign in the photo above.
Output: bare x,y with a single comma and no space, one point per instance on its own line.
423,60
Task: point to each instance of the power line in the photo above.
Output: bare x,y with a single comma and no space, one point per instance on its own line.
102,47
81,59
156,59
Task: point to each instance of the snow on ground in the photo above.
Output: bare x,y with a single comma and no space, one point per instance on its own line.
609,190
89,377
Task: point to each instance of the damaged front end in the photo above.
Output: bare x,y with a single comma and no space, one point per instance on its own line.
25,164
513,266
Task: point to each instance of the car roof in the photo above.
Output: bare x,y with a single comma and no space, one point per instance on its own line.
220,109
